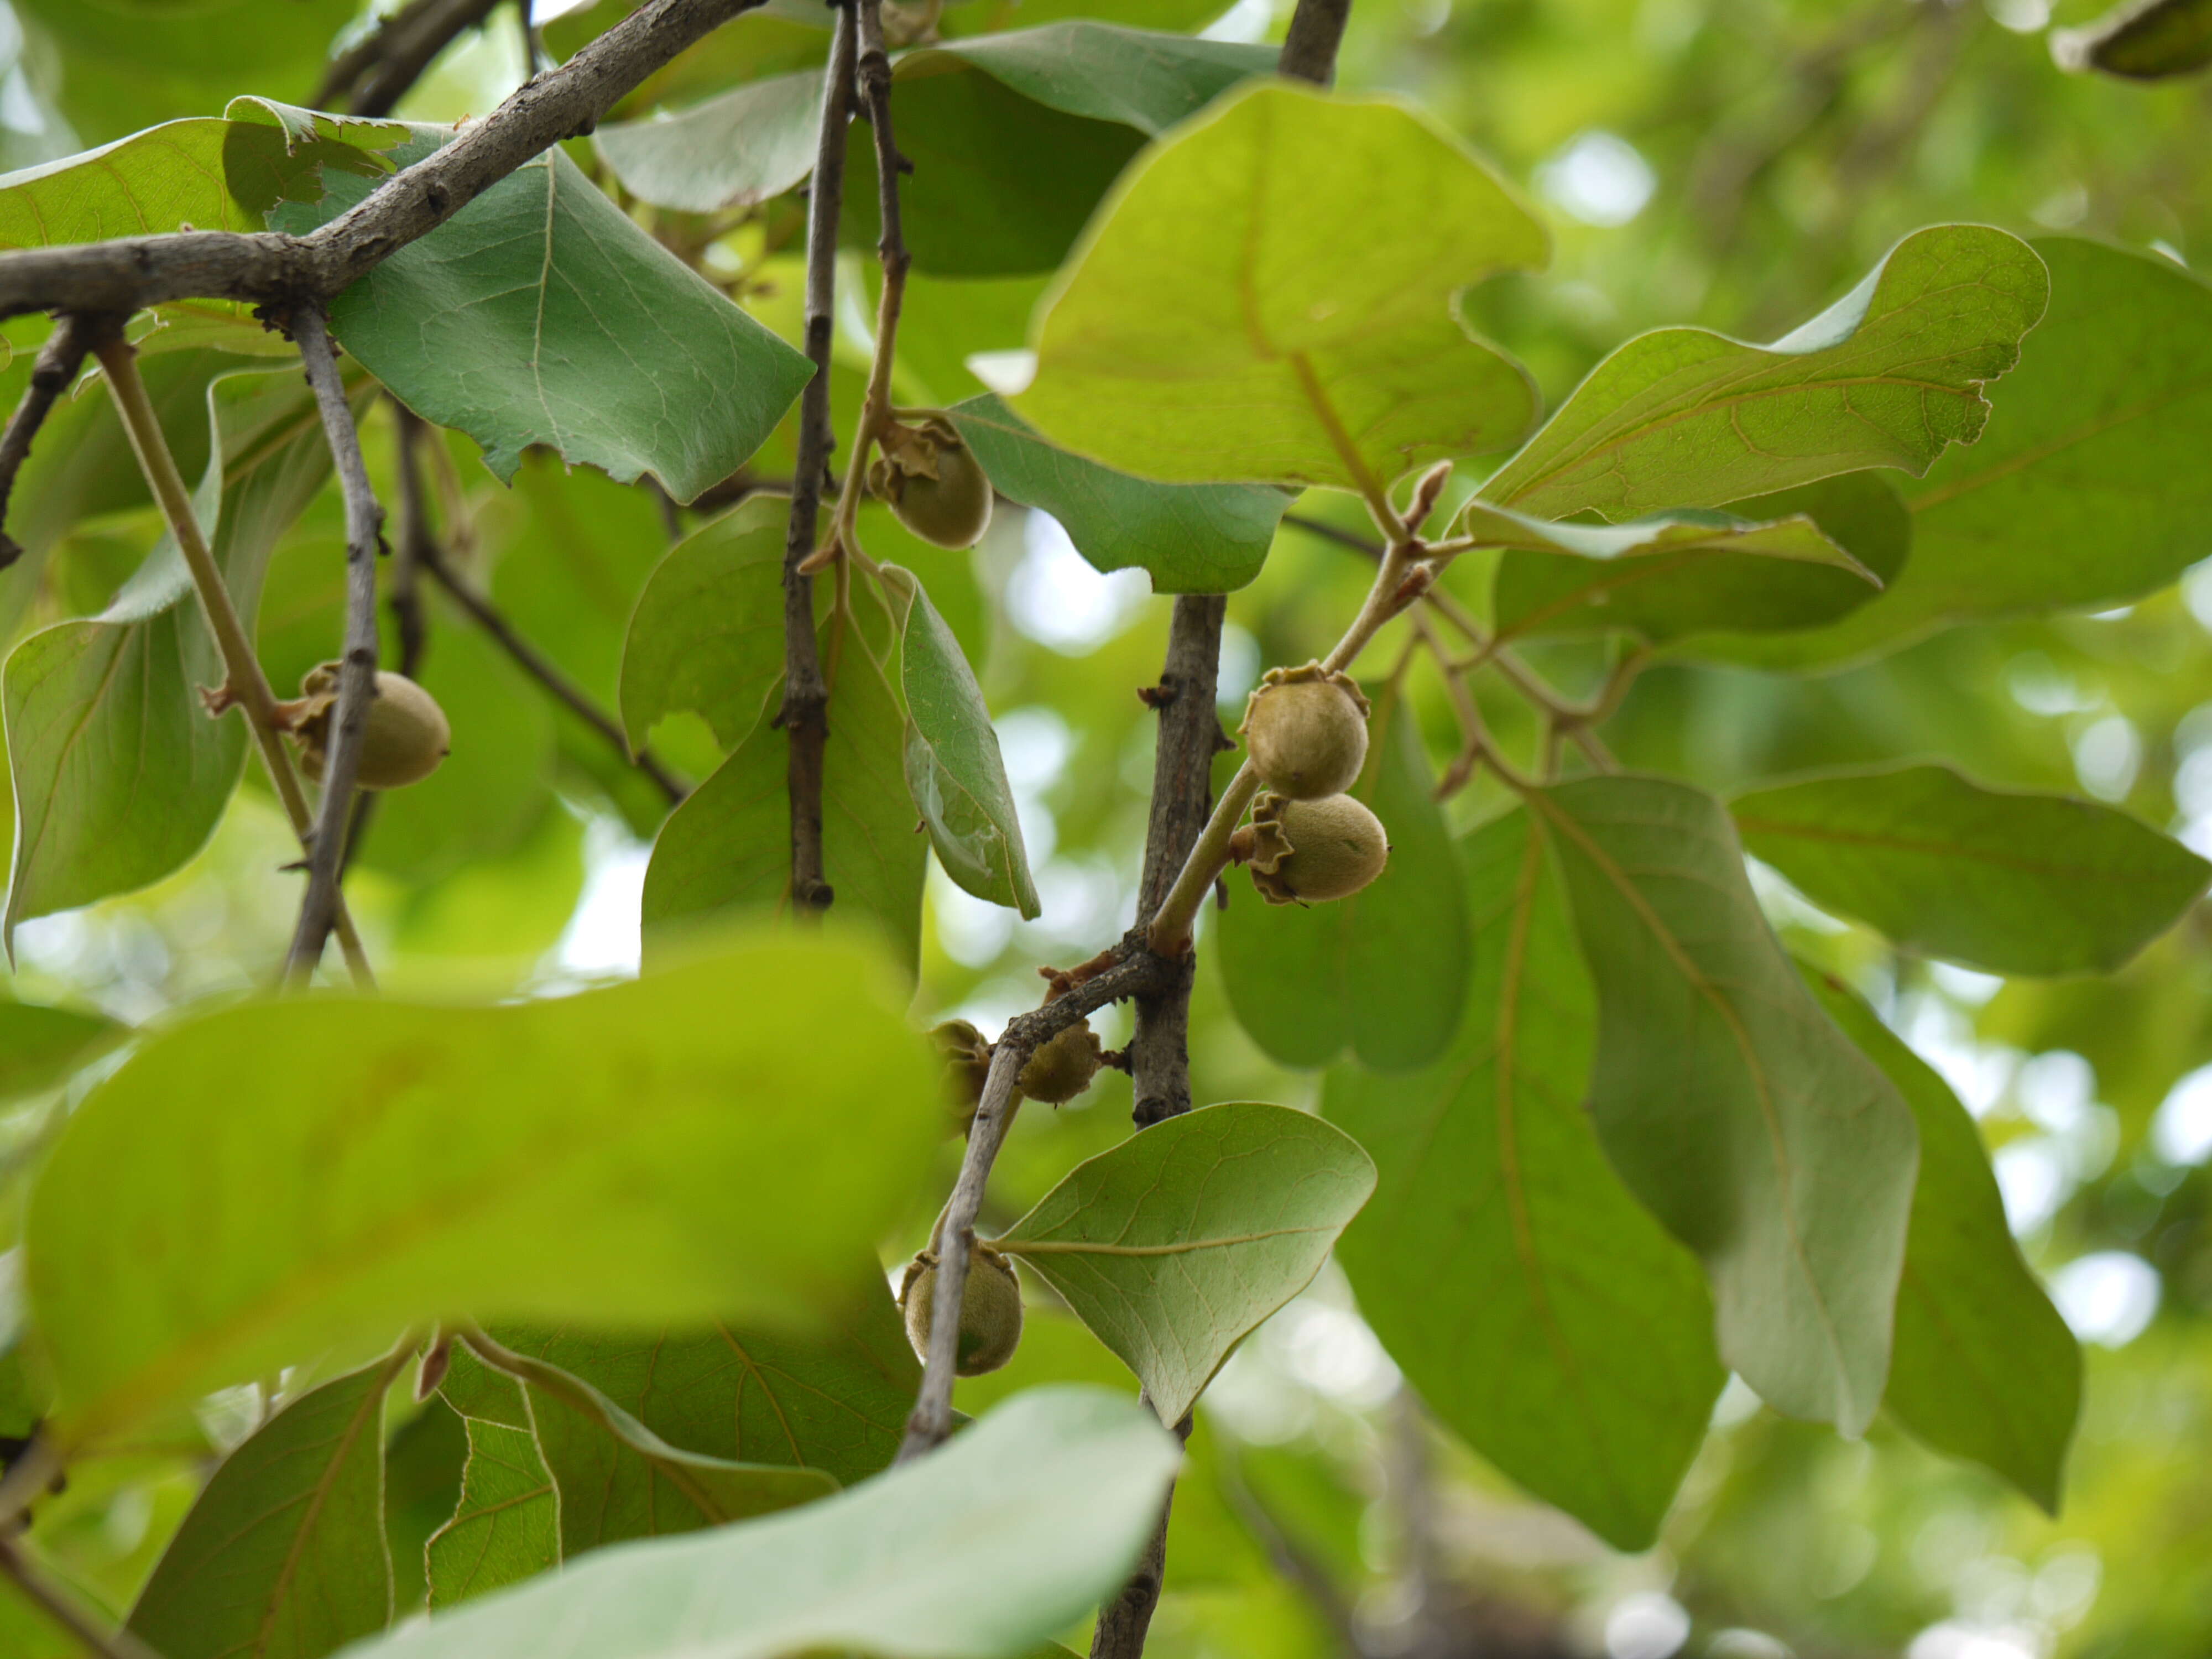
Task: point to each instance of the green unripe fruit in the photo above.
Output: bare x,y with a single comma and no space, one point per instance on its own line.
990,1309
406,737
1308,852
1063,1067
1307,731
932,482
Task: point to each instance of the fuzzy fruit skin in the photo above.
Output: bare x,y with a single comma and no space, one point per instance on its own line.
1307,737
952,509
990,1309
1316,850
406,740
1063,1067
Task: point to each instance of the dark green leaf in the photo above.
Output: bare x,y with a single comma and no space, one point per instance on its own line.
1984,1369
1175,1244
1729,1103
954,768
1662,577
1267,296
2016,883
1891,375
1384,972
1189,538
645,1151
2142,40
1500,1229
508,1525
1014,1530
541,313
282,1557
707,633
728,846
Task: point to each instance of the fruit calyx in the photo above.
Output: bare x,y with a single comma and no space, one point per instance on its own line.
1310,852
1306,729
406,739
930,479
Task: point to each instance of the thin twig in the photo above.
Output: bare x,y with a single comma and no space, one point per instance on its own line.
102,1644
1309,48
269,268
372,78
364,521
244,682
805,715
429,556
59,360
1135,971
406,598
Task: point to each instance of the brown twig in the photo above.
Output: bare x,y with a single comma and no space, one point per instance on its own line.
59,360
1136,973
244,683
372,78
269,268
408,551
805,715
81,1625
430,557
364,521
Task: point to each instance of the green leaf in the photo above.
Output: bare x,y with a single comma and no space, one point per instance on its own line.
1384,972
954,768
836,1402
1266,296
1015,137
40,1046
614,1479
2142,41
2094,445
1732,1106
508,1525
728,846
647,1151
1189,538
1013,1531
1986,1369
753,141
119,775
1499,1228
1175,1245
2016,883
282,1556
1890,375
540,314
707,633
1667,576
27,1631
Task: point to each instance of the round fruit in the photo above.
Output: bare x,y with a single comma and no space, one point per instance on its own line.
1307,731
1312,851
933,482
406,740
967,1060
1063,1067
990,1309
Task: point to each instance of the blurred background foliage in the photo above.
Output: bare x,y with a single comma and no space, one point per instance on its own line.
1736,163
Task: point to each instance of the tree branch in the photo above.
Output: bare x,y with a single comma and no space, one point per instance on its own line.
804,716
1128,970
244,682
364,520
1182,772
99,1643
371,77
428,555
268,268
59,360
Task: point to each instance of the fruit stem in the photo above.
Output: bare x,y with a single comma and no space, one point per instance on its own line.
1402,578
246,682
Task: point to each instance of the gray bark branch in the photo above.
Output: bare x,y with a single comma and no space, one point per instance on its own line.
270,267
59,360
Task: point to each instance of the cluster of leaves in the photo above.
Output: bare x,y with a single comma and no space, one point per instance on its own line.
1600,1103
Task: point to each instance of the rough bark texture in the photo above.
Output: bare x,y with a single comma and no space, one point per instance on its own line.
270,269
804,716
